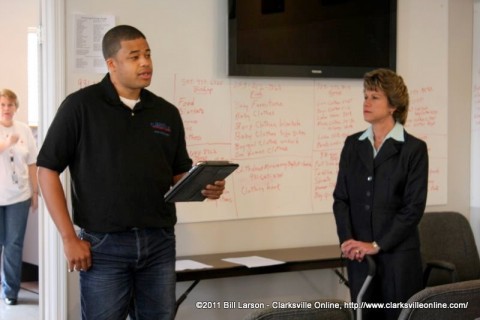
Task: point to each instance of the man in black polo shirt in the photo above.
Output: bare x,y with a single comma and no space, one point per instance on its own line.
124,147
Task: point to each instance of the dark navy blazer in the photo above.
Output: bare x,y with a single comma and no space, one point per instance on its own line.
381,199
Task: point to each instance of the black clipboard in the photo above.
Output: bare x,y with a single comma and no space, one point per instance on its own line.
190,186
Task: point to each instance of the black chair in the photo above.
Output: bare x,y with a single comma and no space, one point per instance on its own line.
460,300
448,248
319,310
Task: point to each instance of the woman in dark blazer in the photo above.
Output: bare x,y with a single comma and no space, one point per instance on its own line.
380,197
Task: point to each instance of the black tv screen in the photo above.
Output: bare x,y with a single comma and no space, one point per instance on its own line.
311,38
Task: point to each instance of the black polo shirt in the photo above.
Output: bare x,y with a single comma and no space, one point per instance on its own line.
121,161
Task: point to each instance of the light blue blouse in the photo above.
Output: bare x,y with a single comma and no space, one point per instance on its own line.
397,133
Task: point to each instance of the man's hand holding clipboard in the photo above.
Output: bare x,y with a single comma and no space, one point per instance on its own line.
206,179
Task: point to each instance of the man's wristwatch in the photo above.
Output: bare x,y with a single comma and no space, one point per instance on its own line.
375,245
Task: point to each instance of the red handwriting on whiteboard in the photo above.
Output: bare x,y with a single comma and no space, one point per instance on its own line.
269,177
421,113
476,106
84,82
259,128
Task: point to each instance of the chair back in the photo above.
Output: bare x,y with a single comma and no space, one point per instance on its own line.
319,310
459,300
447,236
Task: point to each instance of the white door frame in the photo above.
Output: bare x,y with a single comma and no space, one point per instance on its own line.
53,299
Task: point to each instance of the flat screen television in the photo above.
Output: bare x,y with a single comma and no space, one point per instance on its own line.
311,38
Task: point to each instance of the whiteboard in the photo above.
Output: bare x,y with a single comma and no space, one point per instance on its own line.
286,134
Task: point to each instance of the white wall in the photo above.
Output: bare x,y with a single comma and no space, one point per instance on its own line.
455,67
475,145
17,17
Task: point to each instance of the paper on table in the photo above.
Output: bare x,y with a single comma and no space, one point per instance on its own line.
254,261
181,265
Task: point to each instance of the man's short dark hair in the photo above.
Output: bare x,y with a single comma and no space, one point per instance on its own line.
113,37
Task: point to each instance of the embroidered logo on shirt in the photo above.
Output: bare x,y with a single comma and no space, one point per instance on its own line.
161,128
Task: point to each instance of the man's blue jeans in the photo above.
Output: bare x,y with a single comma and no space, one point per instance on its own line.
131,268
13,222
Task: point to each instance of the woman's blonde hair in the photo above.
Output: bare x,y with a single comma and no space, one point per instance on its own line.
7,93
394,88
